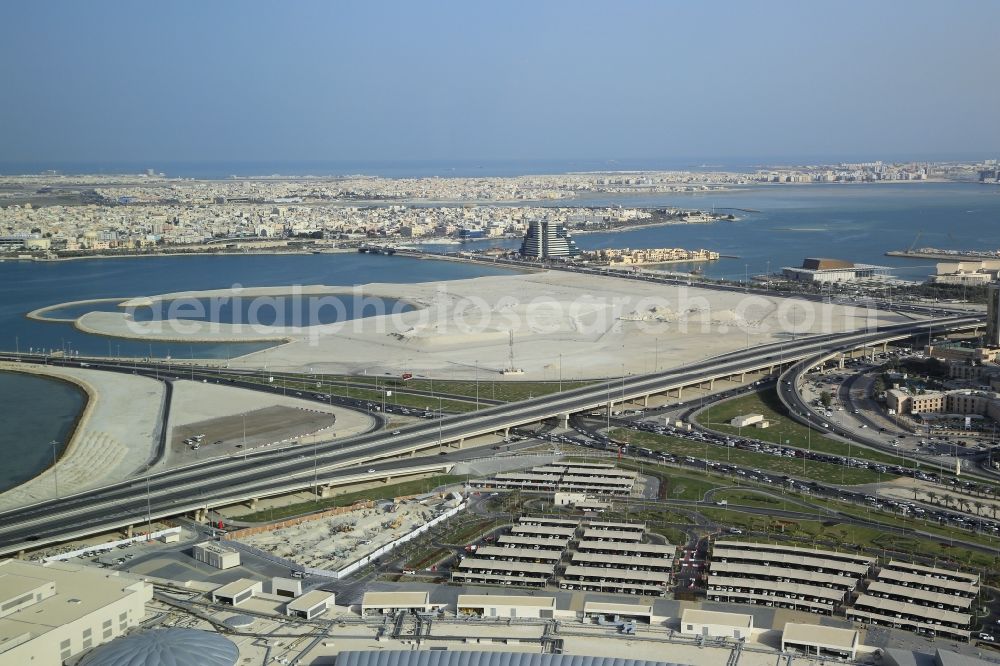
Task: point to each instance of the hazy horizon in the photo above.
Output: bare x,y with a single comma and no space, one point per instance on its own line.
351,82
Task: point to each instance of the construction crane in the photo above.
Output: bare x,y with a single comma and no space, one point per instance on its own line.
915,241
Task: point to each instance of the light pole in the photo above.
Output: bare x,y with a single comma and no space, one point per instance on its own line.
244,436
149,508
477,385
55,469
315,470
440,418
560,373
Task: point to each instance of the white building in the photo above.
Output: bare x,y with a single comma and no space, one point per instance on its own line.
216,555
695,622
51,612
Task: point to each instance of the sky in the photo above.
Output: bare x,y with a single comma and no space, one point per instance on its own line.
197,81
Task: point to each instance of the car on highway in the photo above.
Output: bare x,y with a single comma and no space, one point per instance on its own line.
371,471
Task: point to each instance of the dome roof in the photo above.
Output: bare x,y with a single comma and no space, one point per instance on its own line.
166,647
239,621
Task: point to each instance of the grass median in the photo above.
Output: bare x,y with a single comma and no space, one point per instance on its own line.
783,430
798,467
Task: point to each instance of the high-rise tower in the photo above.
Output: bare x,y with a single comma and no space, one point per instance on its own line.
545,240
993,316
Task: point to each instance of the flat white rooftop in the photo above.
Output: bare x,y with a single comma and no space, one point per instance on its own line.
480,600
781,548
820,636
235,587
698,616
310,600
396,599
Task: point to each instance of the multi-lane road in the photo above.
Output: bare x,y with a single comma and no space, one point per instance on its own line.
234,479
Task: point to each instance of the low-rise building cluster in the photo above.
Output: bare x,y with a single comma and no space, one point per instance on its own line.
575,477
627,256
591,555
928,600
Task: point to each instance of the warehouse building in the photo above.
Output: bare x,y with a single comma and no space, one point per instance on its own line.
615,581
216,555
612,612
792,557
617,548
713,624
617,536
580,478
637,562
516,541
543,532
600,525
488,605
474,570
817,640
481,658
311,604
545,521
509,554
926,600
834,270
780,576
393,602
236,592
51,612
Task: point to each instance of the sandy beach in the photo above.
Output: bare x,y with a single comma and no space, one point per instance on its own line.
115,437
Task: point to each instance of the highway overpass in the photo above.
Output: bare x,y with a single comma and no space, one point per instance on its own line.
231,480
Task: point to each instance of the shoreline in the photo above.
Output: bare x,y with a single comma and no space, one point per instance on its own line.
72,443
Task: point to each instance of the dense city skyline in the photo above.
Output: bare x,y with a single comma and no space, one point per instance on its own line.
392,81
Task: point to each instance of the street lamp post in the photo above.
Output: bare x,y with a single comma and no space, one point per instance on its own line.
149,508
55,469
440,418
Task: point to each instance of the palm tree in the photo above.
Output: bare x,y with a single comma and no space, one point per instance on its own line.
932,496
946,499
979,504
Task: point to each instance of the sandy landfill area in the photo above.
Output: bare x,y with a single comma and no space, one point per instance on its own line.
335,542
568,324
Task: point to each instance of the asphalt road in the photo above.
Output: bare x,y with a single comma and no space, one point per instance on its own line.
235,479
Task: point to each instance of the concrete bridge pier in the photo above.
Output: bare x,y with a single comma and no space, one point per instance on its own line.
128,532
252,504
564,420
460,443
680,392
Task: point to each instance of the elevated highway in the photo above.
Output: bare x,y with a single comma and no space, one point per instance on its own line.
231,480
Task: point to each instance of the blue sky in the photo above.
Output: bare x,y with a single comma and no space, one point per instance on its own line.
286,81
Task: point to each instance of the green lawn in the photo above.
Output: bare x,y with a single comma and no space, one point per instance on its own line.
427,557
756,499
797,467
413,487
783,429
468,531
829,533
674,484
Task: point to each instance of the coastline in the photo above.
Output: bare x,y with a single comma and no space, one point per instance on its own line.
72,443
